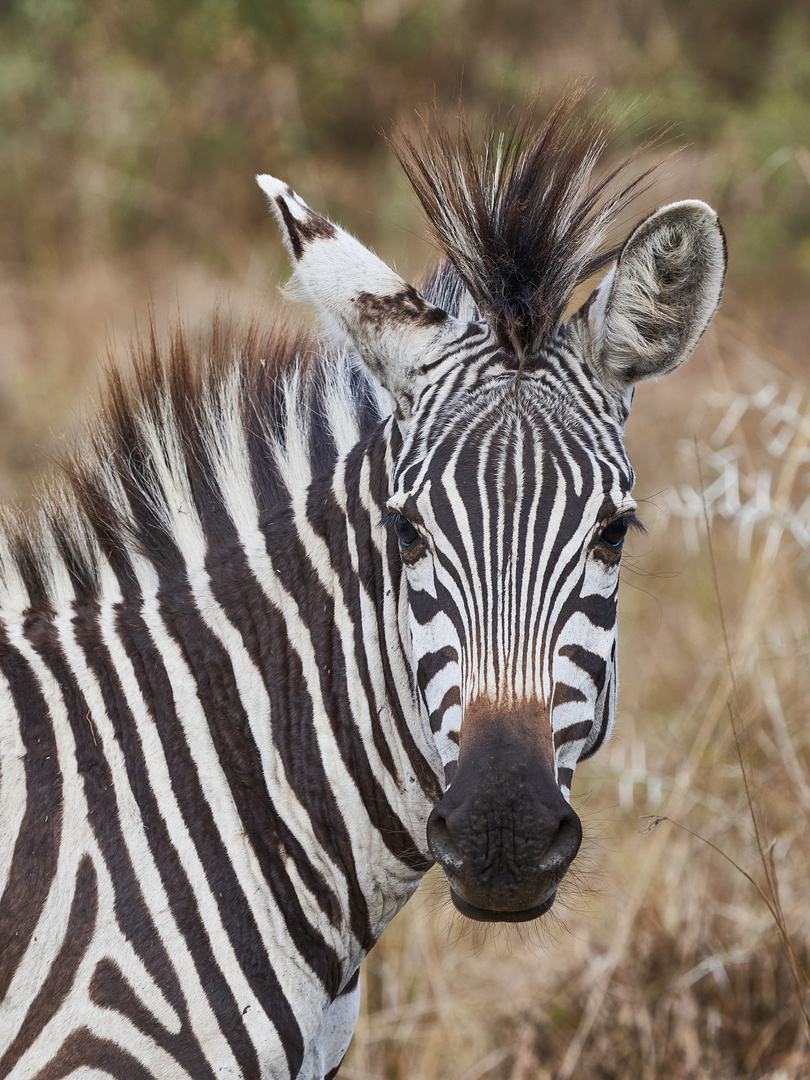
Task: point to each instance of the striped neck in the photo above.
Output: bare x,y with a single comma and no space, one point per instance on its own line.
342,570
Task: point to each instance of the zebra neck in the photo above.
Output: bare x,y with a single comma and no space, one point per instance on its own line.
354,739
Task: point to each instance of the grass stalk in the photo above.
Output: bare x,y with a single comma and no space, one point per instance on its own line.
772,897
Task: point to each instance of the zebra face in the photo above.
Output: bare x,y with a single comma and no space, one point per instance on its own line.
510,493
510,509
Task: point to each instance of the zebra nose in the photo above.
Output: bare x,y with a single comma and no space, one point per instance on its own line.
559,826
503,861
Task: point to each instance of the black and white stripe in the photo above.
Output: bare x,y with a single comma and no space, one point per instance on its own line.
303,619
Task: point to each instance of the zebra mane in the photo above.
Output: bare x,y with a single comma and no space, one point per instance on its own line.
265,407
523,221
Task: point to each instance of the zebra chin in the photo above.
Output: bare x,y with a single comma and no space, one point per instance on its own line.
522,893
485,915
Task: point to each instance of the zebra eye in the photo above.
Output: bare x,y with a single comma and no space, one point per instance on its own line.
406,532
613,534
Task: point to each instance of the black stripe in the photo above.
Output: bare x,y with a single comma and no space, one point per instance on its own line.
432,663
351,583
601,610
264,633
82,1048
570,574
238,756
109,989
572,733
589,662
424,606
63,968
606,717
241,597
565,695
235,588
452,697
524,544
565,777
36,850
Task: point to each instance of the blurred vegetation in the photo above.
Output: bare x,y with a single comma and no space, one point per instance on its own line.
129,136
120,121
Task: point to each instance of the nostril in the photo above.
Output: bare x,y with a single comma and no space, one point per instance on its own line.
565,842
442,846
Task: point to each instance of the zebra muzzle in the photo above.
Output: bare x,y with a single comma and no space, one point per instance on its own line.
503,834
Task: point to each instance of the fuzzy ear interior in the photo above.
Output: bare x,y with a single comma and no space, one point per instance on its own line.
398,334
650,311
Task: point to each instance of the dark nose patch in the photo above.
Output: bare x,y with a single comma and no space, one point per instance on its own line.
503,833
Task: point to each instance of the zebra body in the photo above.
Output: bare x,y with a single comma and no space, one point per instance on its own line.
308,619
123,700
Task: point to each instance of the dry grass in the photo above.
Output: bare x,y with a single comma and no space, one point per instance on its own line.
57,330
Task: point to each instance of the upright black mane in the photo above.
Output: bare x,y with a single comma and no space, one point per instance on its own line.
523,221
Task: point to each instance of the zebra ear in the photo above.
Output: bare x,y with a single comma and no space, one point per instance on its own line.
650,311
398,334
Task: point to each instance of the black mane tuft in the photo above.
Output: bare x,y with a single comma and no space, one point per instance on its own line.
524,221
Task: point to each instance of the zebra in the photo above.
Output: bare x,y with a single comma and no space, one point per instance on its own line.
308,614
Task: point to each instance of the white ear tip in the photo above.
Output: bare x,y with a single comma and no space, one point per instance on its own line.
272,187
695,207
700,206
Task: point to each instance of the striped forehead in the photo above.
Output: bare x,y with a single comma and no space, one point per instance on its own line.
502,440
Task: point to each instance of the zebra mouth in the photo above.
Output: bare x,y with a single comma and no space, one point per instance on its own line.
486,915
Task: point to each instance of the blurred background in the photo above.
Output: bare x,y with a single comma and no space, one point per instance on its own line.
129,137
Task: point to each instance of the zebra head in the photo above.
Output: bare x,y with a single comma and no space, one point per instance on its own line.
510,492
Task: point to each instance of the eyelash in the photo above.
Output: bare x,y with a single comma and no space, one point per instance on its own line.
626,523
